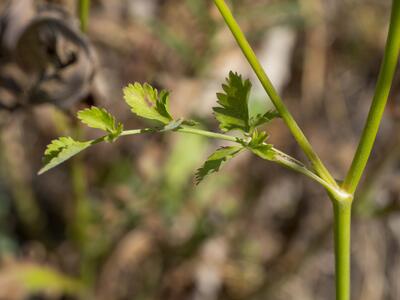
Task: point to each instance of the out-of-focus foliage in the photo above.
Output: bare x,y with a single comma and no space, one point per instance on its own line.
32,279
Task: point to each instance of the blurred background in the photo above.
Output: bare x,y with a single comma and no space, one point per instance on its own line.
125,220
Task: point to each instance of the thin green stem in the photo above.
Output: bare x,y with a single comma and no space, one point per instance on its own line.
342,225
136,131
378,103
272,93
201,132
83,11
209,134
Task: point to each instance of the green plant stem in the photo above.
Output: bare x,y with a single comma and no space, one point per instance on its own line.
342,225
272,93
209,134
378,103
83,11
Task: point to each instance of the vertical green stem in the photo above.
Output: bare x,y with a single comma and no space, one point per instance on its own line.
83,11
382,90
342,225
272,93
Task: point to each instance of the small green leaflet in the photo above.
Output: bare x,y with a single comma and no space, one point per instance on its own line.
60,150
100,118
258,146
260,119
214,162
264,151
233,114
146,102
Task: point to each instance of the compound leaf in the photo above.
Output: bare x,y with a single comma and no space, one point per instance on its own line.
146,102
214,162
60,150
233,113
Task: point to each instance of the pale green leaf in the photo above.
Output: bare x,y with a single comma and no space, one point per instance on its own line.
100,118
146,102
60,150
233,113
215,161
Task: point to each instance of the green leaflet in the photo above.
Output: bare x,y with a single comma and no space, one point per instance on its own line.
233,112
146,102
100,118
214,162
260,119
258,146
60,150
264,151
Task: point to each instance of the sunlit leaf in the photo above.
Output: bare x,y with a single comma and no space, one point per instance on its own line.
146,102
60,150
100,118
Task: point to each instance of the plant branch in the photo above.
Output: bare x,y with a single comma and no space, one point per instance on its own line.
272,93
378,103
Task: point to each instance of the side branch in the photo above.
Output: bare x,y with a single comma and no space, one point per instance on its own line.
383,86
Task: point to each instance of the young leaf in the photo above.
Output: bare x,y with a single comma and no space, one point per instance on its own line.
258,146
233,113
260,119
60,150
100,118
146,102
264,151
214,162
257,138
